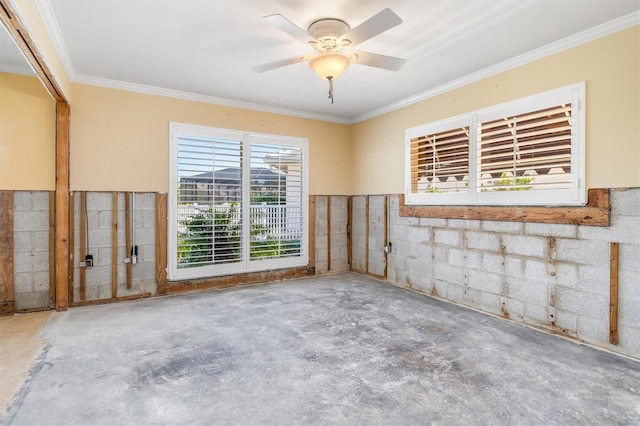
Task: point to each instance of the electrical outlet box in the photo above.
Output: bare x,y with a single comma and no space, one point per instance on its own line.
88,261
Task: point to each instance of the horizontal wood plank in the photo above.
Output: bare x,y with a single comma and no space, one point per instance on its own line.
597,212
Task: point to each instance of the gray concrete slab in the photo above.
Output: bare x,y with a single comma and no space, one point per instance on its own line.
339,349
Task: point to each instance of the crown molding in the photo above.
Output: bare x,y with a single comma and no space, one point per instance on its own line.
574,40
51,24
188,96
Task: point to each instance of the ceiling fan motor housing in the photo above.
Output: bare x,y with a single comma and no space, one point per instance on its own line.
327,31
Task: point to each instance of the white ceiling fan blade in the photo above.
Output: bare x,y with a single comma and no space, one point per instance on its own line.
290,28
379,61
373,26
277,64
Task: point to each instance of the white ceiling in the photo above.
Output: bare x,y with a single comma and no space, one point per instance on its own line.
206,48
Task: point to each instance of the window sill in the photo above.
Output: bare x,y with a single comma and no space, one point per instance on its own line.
595,213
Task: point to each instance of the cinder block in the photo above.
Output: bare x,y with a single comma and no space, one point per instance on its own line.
493,263
41,281
490,302
472,297
513,266
567,321
535,313
551,230
629,287
483,241
502,227
626,202
23,241
515,309
525,245
538,270
455,292
582,303
628,313
593,330
485,281
440,254
32,300
629,340
420,234
396,232
448,237
456,257
433,222
376,202
22,201
357,201
97,201
529,291
22,282
31,221
449,273
396,261
30,261
581,251
40,240
594,279
464,224
629,257
40,201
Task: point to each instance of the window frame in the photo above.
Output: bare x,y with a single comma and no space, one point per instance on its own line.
573,196
246,264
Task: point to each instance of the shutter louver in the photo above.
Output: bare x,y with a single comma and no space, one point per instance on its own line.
440,162
530,151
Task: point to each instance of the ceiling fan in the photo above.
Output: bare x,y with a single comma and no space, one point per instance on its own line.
334,40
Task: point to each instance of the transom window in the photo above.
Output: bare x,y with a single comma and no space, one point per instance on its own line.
238,202
525,152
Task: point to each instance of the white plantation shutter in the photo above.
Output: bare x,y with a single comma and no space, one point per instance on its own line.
526,152
238,202
530,151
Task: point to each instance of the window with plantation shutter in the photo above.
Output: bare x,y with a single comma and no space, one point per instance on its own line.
238,202
526,152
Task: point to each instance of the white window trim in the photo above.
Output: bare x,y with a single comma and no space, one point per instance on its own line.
577,195
246,265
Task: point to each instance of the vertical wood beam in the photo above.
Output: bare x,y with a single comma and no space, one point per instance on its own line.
72,229
83,244
114,245
366,234
613,296
349,226
328,232
312,230
127,233
161,238
52,249
6,253
62,205
386,234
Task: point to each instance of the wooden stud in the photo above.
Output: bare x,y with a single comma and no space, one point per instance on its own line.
72,229
6,253
366,234
63,233
386,234
127,233
52,249
597,212
328,232
235,280
613,296
349,227
83,244
312,231
114,245
161,238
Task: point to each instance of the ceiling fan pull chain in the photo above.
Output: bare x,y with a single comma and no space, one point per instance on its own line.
330,88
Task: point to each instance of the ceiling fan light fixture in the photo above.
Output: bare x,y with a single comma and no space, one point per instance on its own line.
329,66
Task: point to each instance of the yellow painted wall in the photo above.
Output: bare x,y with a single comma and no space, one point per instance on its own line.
27,134
120,139
611,68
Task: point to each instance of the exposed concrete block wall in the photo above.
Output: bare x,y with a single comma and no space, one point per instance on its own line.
31,249
331,223
99,244
368,230
546,275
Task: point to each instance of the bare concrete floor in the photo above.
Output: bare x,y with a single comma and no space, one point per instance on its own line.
340,349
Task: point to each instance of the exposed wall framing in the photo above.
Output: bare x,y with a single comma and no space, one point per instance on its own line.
6,253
